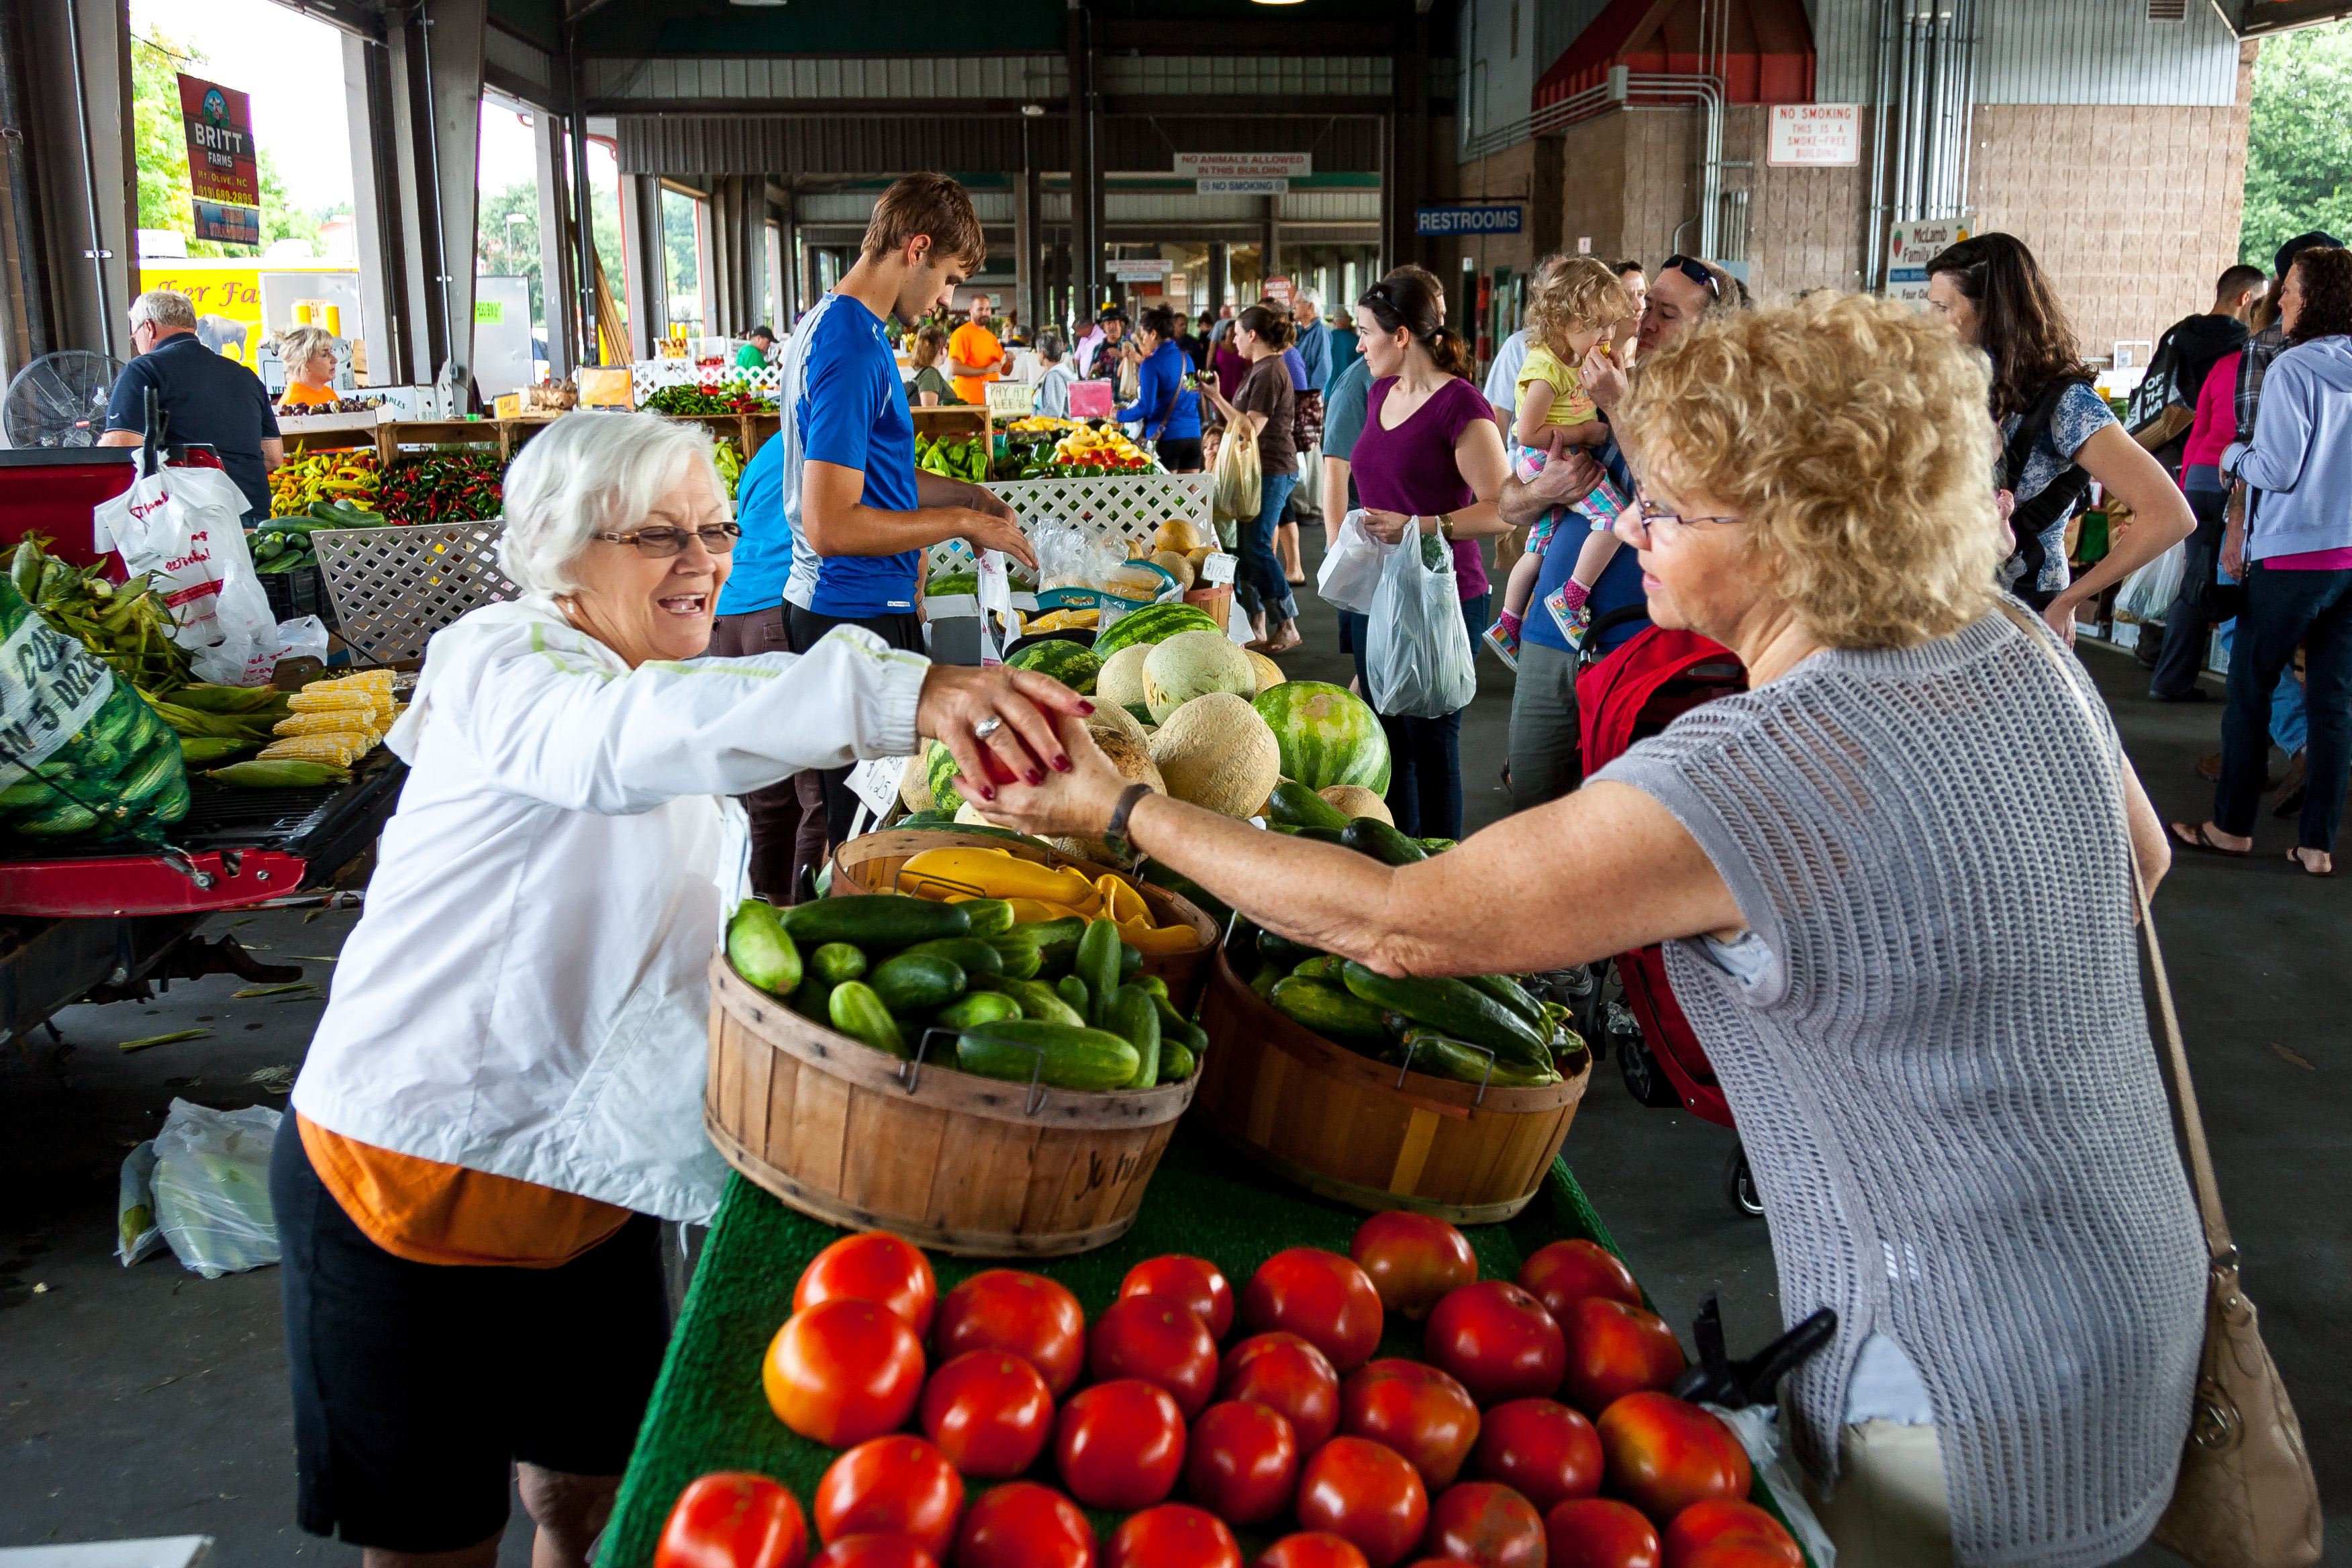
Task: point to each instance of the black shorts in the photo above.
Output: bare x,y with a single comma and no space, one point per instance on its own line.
417,1386
804,629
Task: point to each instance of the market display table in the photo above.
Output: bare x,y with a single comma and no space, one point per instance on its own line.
709,1413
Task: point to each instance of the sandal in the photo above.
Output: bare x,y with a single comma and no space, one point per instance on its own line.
2190,837
2296,854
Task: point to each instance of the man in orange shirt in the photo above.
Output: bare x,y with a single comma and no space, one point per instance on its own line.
974,356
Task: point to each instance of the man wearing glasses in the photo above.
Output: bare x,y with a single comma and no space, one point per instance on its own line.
206,399
1544,762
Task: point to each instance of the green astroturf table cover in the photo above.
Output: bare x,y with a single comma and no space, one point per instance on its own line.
709,1412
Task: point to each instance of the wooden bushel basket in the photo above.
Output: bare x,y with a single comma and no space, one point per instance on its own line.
867,864
964,1164
1337,1124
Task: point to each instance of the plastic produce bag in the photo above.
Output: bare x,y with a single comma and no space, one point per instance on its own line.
1759,1429
186,528
136,1237
2148,593
80,752
1350,573
1418,666
1239,487
212,1188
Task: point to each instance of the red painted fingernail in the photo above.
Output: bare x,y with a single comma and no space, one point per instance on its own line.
1036,778
1062,764
987,792
1086,707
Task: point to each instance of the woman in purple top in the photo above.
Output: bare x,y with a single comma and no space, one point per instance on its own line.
1430,458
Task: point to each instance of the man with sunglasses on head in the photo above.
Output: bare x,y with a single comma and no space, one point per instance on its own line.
1544,745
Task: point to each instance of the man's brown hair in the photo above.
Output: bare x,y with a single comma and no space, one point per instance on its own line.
926,204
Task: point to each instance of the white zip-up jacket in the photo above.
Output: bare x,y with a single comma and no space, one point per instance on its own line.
526,993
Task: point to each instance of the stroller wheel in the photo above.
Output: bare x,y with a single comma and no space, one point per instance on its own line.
1645,1079
1739,1185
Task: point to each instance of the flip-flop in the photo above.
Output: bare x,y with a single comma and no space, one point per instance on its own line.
2304,865
2194,838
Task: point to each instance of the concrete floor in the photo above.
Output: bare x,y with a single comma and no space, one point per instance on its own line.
152,1401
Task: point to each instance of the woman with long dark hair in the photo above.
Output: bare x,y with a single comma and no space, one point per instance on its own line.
2294,555
1266,403
1169,411
2057,433
1430,459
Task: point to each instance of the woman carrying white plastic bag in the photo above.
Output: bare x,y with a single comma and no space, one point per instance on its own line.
1419,665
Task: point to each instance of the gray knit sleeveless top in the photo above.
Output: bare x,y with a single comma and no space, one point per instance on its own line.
1944,1077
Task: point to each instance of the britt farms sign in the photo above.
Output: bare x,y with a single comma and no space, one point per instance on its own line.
223,176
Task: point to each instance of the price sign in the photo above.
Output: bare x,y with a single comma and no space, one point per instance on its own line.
876,782
1217,568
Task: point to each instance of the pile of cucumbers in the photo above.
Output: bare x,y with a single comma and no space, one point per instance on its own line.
1062,1003
1295,809
1484,1029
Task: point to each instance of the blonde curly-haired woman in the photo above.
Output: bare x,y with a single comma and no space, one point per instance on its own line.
1922,1004
309,354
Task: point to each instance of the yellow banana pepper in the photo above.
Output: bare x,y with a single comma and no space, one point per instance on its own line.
1121,902
1159,939
997,874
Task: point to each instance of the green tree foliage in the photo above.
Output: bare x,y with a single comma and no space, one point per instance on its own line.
2299,143
505,249
160,146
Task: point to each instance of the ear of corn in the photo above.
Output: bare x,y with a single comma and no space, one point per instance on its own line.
333,697
330,721
278,773
337,750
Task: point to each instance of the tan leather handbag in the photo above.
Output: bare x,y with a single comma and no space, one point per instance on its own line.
2245,1496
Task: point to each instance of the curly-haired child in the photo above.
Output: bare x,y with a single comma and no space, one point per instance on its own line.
1573,309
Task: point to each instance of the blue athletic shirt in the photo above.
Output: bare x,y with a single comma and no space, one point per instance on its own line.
764,556
845,404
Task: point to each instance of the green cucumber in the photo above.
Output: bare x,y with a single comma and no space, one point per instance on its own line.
1439,845
1077,995
760,951
1263,984
915,982
1130,960
977,1007
1509,992
1280,949
1322,966
989,917
1319,835
1064,1056
1327,1010
971,953
1371,835
1134,1016
1016,954
875,920
1057,942
1041,1003
1176,1060
1296,806
1097,966
813,999
838,963
1432,1052
1455,1008
859,1013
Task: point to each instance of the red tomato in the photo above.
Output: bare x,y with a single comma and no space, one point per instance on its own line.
1415,1410
876,1266
1312,1548
1283,1372
1571,1270
1542,1450
891,1485
1664,1455
1159,1340
1175,1535
1319,1296
1241,1462
1722,1534
842,1372
1120,1445
989,1414
1359,1490
873,1551
1194,1282
1479,1522
733,1518
1614,1350
1025,1525
1412,1259
1498,1340
1599,1533
1032,1318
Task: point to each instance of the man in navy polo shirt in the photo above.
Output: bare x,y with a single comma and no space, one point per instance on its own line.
208,398
859,513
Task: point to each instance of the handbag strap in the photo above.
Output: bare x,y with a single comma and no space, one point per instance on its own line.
2170,1052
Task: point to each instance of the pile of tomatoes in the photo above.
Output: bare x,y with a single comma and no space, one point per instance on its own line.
1534,1399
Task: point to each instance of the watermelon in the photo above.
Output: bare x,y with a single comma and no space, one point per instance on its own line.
940,767
1153,623
1329,735
1067,662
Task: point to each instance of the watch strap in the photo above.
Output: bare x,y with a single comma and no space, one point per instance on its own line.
1116,828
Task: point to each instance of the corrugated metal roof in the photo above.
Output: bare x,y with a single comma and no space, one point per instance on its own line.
830,144
522,59
2052,51
909,78
1294,75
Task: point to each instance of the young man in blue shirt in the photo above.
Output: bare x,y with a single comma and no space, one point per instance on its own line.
858,513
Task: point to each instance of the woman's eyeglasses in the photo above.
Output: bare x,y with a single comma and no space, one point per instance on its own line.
1697,273
661,543
1651,521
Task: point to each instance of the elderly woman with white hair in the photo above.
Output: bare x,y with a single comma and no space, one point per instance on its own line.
505,1093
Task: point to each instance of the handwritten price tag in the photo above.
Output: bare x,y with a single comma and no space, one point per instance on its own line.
1217,568
876,782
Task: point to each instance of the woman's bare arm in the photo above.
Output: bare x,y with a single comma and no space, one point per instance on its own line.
2160,518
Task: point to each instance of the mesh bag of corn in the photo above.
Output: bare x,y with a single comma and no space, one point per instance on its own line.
82,754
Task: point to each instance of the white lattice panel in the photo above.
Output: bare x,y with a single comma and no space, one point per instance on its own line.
647,376
394,587
1128,508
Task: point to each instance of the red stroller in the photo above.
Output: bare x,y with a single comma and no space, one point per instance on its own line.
1623,697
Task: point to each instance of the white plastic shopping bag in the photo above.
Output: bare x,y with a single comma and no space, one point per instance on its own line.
134,1206
1350,573
185,529
1419,664
212,1188
2148,593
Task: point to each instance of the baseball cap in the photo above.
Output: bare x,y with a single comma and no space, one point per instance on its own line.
2316,240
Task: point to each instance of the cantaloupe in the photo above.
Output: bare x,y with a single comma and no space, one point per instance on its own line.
1268,672
1175,565
1111,716
915,786
1193,664
1132,758
1355,800
1182,535
1121,679
968,811
1216,752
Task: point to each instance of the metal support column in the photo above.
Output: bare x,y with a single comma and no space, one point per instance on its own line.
434,50
1219,265
789,299
641,243
1269,249
31,316
383,349
559,286
1085,167
76,131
